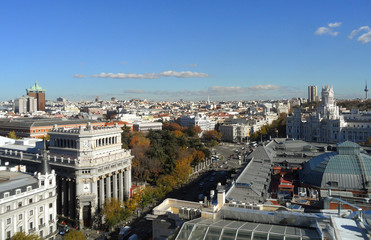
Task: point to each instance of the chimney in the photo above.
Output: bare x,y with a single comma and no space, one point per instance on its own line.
221,198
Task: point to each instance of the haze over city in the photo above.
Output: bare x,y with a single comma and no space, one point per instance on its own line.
167,50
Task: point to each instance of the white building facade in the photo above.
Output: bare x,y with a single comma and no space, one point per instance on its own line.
327,124
28,203
91,166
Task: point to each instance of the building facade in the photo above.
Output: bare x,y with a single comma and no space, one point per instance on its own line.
37,128
39,93
312,93
235,132
25,104
146,126
202,121
327,124
28,203
91,166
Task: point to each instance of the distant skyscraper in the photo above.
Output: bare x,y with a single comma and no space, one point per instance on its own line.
39,93
312,93
25,104
366,91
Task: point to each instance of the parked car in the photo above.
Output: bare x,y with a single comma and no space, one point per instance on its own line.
63,229
133,237
124,232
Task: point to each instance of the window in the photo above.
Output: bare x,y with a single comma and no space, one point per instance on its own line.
51,217
29,188
8,235
50,194
8,208
6,194
18,191
41,209
50,205
50,181
31,212
31,225
333,184
41,234
20,229
42,183
30,200
50,229
41,221
20,217
8,221
19,204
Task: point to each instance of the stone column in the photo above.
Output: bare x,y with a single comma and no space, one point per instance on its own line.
121,186
101,192
127,182
60,195
94,190
115,185
65,198
71,198
108,187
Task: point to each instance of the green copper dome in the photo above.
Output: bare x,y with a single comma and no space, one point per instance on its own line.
36,88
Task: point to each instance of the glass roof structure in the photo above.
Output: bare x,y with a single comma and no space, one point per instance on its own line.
208,229
347,168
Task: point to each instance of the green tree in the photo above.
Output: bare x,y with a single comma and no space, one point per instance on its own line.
113,212
24,236
126,137
75,235
12,135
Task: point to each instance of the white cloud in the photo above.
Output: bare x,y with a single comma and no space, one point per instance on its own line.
328,30
186,74
335,24
80,76
138,91
363,38
325,30
212,91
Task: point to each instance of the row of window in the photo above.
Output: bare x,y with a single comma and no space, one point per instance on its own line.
30,201
20,229
20,217
17,191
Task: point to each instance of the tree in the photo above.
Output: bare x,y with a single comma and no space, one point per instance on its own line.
12,135
113,211
24,236
75,235
46,137
368,142
126,137
193,131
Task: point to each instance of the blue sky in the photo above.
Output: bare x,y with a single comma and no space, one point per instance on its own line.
167,50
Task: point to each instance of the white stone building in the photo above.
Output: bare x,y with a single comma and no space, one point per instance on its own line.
28,203
327,124
234,132
199,120
91,166
146,126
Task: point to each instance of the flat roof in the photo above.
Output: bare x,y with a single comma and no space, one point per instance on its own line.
10,181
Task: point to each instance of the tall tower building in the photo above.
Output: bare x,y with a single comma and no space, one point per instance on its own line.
25,104
366,91
312,93
39,93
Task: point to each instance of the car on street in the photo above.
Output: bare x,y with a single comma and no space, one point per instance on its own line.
124,232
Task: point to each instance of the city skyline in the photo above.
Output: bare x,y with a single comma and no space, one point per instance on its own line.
165,50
